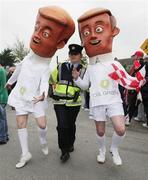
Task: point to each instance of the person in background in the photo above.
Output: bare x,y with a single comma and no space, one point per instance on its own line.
144,93
133,101
146,58
125,106
10,72
4,137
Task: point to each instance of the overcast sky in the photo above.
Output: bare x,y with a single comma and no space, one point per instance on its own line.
17,18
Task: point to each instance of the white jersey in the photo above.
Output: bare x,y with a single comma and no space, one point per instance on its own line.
32,76
103,89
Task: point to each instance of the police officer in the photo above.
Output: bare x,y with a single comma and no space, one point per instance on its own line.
67,100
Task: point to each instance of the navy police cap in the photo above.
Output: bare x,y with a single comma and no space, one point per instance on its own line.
75,49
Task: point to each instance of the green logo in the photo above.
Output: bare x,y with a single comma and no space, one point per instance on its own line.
22,90
104,83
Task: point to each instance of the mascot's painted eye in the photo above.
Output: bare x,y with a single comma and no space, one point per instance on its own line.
45,34
86,33
99,29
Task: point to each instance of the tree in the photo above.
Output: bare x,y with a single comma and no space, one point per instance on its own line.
19,50
7,58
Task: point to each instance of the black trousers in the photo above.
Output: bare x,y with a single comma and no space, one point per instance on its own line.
133,104
66,127
145,104
86,99
146,110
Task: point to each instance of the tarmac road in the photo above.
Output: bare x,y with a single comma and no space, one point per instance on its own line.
82,164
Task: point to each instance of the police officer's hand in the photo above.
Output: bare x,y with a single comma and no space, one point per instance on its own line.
75,73
39,98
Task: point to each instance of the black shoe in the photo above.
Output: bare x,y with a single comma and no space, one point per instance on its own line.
64,157
3,142
71,149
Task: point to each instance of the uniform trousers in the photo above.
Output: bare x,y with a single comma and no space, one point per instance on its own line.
66,127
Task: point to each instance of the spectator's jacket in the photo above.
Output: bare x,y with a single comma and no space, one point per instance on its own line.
3,90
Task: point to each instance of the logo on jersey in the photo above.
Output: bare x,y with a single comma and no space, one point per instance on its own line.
104,83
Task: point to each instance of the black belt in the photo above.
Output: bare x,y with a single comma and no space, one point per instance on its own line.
55,97
74,98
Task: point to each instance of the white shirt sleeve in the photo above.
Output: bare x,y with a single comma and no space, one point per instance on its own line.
83,83
44,84
15,74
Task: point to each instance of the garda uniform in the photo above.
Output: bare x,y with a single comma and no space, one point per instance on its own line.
67,100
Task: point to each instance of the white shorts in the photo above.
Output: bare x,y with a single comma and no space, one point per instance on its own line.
100,113
38,111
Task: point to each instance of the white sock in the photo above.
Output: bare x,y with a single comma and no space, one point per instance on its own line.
23,138
42,135
102,142
116,140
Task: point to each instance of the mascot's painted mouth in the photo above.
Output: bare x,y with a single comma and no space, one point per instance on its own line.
95,42
36,41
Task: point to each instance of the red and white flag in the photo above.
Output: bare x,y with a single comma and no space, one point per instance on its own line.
122,77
